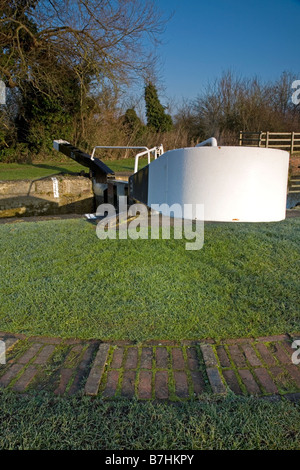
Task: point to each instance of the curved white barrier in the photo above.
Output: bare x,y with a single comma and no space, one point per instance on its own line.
245,184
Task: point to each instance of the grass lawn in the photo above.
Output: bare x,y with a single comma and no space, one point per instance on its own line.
59,279
17,171
43,422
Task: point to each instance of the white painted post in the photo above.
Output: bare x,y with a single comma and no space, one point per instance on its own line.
267,139
2,352
2,92
241,138
292,142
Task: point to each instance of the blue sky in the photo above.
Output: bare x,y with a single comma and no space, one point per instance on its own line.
206,37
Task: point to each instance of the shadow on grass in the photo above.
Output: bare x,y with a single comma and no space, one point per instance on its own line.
58,169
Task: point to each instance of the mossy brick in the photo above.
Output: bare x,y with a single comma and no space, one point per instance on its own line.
232,381
162,358
131,358
46,340
282,378
265,380
96,372
145,384
270,339
82,368
198,382
237,356
178,359
146,358
192,358
209,356
30,353
161,385
251,355
128,384
26,378
65,377
280,353
223,357
10,343
266,354
249,382
10,374
294,371
181,384
117,358
111,386
215,380
44,354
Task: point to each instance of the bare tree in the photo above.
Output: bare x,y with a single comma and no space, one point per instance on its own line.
106,40
62,55
231,104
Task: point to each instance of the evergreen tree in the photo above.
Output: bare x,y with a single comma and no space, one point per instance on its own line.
131,120
42,117
157,118
133,125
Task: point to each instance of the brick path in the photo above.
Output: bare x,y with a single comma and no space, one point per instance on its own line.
154,370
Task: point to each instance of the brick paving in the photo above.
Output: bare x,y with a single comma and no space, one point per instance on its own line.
155,370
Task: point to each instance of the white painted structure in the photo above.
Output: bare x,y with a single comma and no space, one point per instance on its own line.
246,184
243,184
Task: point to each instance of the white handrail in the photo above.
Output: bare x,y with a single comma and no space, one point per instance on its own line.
115,147
156,150
211,141
138,155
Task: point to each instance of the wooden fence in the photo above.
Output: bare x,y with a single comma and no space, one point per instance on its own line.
282,140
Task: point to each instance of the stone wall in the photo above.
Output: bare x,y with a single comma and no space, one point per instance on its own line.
46,196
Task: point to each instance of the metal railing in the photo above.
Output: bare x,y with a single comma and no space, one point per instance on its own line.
157,151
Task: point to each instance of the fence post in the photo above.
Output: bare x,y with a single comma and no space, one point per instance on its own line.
292,142
267,139
259,138
241,138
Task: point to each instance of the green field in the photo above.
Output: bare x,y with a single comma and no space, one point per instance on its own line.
18,171
43,422
58,278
